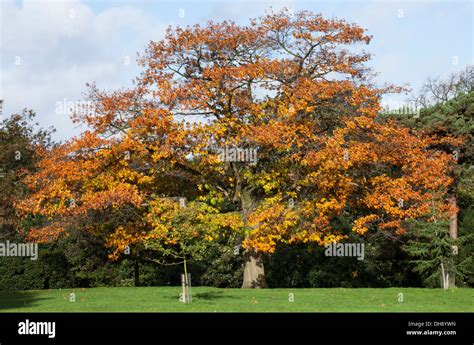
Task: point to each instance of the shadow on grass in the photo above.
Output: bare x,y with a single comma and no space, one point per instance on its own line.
18,299
208,296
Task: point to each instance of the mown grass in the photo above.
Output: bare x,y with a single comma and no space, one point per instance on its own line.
208,299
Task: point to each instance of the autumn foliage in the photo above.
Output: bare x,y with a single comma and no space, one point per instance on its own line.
297,89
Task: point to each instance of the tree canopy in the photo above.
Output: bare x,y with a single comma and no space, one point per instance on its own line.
297,90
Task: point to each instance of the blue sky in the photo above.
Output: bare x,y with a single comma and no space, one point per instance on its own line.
50,49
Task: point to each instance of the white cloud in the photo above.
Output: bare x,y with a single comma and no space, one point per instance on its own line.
61,45
64,44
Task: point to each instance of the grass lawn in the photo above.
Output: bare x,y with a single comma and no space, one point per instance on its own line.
208,299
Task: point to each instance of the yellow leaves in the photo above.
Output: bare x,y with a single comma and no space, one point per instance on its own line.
123,239
361,225
269,181
125,175
195,222
325,206
145,180
318,135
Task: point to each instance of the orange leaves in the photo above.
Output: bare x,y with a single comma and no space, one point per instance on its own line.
361,224
275,221
124,237
277,135
304,25
381,170
115,197
283,85
47,233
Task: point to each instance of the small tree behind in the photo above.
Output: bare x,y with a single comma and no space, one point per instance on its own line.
435,253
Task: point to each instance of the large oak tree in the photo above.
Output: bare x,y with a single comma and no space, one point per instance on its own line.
296,89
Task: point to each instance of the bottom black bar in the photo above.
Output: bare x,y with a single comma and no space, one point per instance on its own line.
237,328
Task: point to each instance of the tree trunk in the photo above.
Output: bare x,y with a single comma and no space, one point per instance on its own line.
444,280
254,272
453,219
453,233
137,273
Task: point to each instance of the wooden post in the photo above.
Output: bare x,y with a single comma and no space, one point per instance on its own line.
445,277
185,284
183,288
